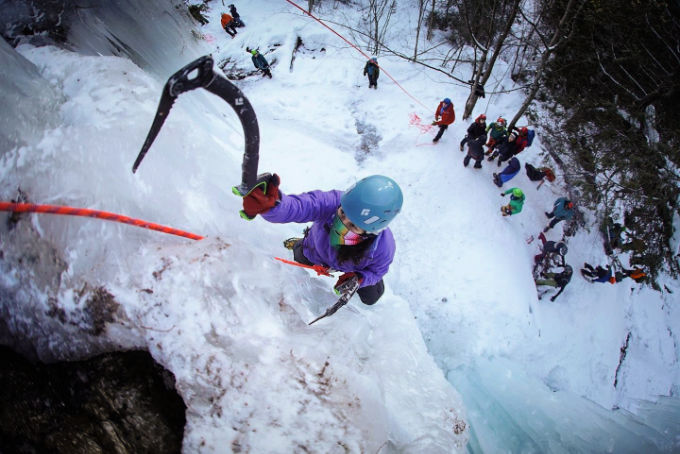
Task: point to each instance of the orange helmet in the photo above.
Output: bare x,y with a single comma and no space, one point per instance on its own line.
502,121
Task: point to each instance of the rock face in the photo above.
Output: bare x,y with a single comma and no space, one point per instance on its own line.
114,403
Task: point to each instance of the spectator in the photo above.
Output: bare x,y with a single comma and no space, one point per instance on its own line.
563,210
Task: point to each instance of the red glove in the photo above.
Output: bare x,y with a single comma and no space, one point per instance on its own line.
257,201
346,282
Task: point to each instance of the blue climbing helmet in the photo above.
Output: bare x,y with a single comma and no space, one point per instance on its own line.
447,101
371,203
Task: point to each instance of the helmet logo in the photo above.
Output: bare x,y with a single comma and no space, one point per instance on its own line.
365,212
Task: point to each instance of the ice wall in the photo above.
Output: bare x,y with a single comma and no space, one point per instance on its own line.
29,101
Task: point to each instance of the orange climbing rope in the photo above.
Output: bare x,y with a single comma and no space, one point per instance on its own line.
70,211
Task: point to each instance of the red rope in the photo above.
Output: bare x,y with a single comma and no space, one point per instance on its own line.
320,270
360,51
70,211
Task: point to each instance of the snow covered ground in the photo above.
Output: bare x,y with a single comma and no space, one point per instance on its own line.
460,314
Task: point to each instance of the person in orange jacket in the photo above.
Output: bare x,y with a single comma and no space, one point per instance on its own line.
443,117
228,24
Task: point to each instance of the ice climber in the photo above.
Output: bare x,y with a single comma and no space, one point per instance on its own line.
372,70
443,117
349,231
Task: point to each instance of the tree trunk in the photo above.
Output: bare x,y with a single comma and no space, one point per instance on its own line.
421,14
556,40
483,74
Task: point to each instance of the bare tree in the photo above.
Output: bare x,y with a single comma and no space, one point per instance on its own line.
379,15
559,37
502,14
421,15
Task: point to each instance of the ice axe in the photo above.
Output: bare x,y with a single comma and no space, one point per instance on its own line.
200,74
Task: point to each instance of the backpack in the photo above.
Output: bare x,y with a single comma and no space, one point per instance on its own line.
549,175
530,137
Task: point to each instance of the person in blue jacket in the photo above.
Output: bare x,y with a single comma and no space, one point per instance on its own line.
349,231
508,173
372,70
563,210
260,62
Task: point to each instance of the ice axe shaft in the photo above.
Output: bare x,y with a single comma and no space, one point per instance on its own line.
200,74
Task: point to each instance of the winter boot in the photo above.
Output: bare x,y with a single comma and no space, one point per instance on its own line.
466,161
497,180
290,243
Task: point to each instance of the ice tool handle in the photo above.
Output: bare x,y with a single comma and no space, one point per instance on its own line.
196,74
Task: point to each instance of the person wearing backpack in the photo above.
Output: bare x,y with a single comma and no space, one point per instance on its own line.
260,62
514,145
372,70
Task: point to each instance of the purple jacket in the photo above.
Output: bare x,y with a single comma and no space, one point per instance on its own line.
320,207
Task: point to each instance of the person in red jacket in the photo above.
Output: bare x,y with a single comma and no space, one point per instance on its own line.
443,117
228,24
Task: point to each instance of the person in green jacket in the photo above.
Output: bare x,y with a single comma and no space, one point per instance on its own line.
497,135
516,201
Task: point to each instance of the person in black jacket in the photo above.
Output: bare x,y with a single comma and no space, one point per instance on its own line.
560,280
475,151
551,252
236,16
475,130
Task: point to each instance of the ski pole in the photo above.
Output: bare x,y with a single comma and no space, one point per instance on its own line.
320,270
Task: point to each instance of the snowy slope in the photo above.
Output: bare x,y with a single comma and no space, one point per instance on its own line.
230,322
